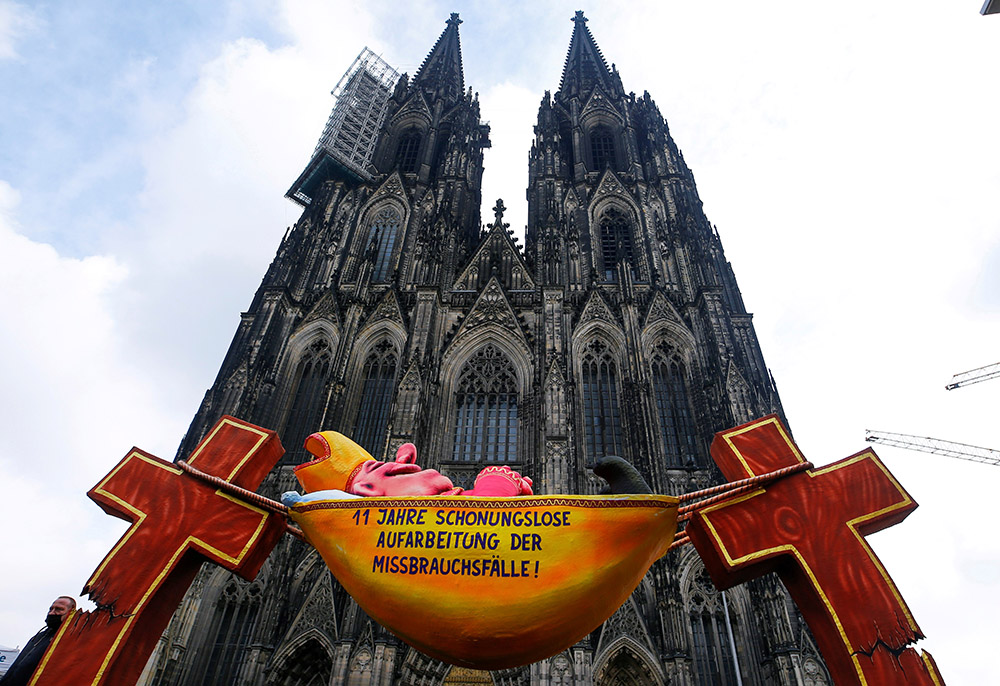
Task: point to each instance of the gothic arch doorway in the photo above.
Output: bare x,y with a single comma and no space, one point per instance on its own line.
309,665
463,676
626,667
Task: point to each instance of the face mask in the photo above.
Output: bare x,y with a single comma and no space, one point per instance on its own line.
53,621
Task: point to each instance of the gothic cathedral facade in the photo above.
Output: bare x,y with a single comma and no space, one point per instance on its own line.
391,314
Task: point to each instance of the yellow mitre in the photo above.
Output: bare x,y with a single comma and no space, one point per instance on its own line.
338,460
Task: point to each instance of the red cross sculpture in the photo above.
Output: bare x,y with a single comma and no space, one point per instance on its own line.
810,529
178,522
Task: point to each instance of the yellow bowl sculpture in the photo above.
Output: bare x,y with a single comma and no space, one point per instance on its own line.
490,583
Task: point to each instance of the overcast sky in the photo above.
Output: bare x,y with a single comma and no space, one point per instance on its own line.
849,154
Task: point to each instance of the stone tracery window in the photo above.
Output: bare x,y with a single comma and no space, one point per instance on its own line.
407,150
382,243
713,648
309,400
602,148
486,420
673,407
232,633
378,379
616,242
601,415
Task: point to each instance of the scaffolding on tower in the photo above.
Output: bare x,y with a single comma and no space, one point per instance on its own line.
351,133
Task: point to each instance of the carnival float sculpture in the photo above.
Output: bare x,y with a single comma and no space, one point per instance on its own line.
489,578
495,577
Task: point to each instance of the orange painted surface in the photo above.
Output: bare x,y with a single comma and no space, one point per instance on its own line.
490,583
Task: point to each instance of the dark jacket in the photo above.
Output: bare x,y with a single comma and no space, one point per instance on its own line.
20,671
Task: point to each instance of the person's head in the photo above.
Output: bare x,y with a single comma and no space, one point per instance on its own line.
58,610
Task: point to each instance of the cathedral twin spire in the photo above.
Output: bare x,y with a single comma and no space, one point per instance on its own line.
441,70
585,66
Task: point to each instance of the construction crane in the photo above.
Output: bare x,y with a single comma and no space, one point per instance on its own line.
990,371
936,446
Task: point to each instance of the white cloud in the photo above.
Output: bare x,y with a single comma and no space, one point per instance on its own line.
58,337
72,403
211,210
103,352
15,20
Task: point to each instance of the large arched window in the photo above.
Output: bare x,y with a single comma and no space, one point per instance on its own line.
407,151
378,379
601,416
382,243
486,409
238,614
616,242
602,148
714,625
566,143
673,406
308,402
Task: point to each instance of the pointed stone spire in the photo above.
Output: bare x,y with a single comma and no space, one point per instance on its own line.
585,65
441,73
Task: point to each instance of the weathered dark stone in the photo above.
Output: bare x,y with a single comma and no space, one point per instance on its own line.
621,313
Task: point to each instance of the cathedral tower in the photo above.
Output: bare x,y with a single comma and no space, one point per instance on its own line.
392,314
618,239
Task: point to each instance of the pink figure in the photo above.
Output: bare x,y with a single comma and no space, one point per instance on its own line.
341,464
497,481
